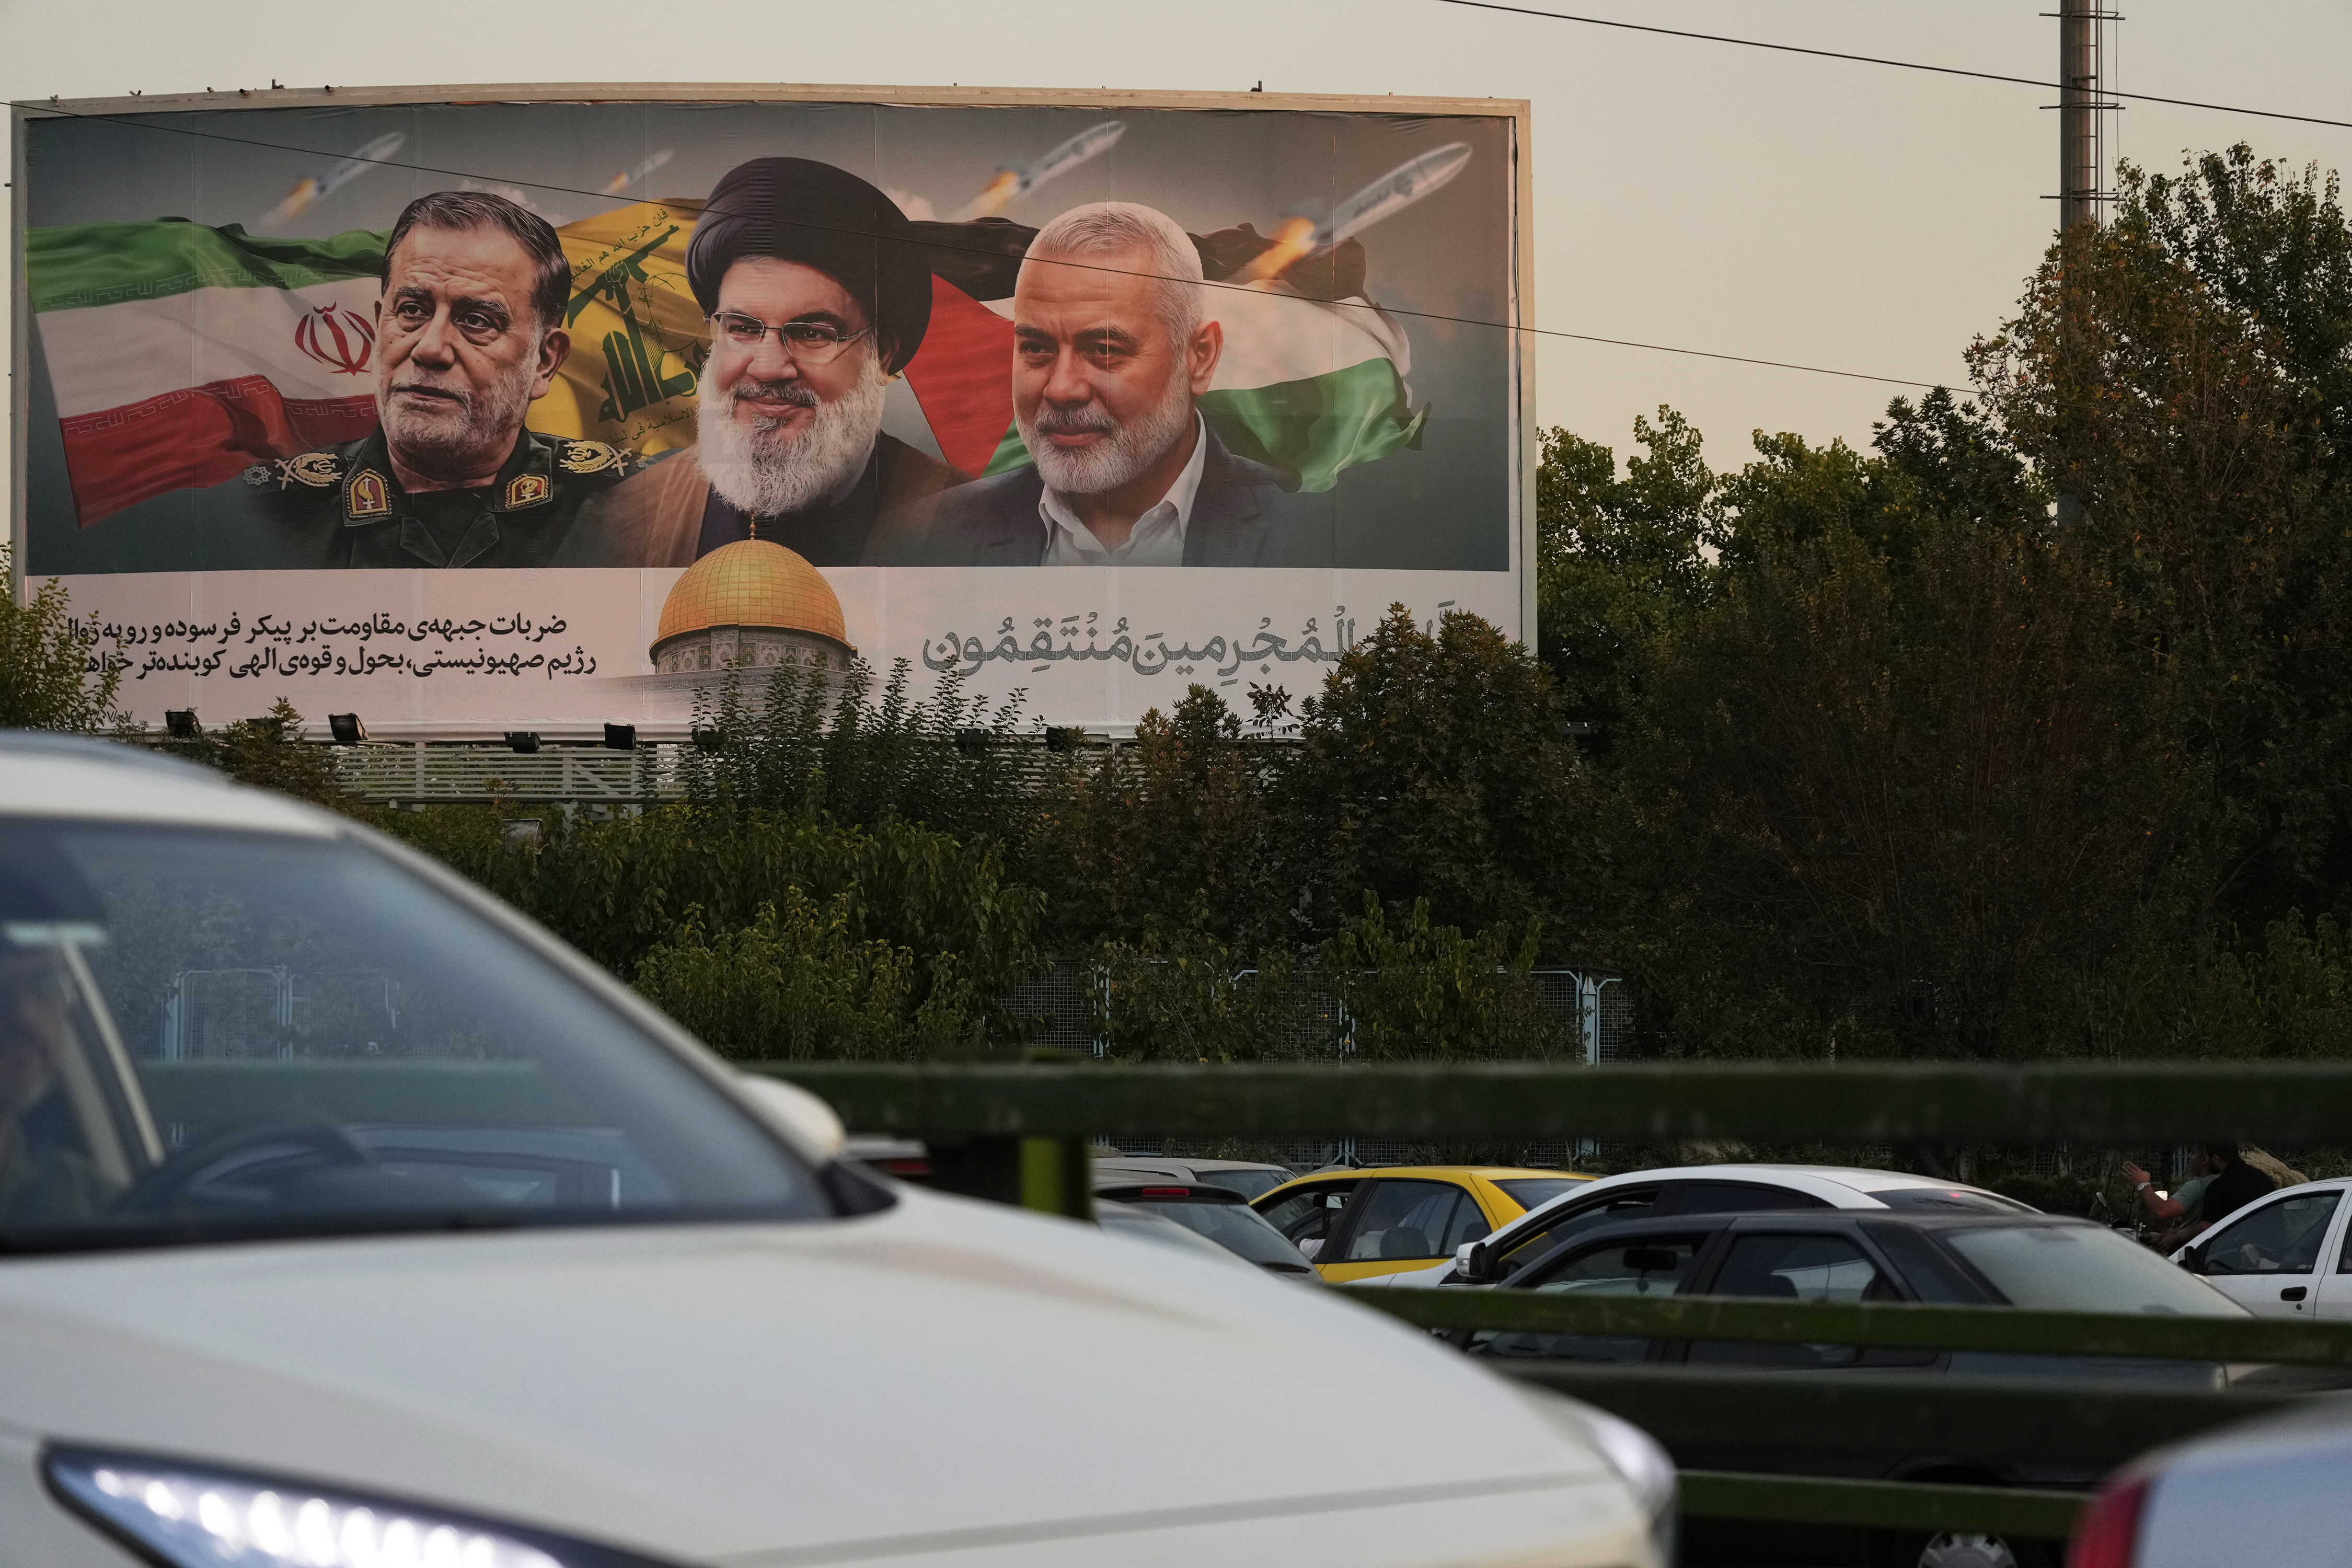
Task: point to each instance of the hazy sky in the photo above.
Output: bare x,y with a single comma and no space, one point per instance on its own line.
1687,193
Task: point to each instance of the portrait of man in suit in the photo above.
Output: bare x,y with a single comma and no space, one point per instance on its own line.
1115,336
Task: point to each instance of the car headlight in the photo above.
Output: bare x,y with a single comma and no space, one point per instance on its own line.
1646,1467
194,1516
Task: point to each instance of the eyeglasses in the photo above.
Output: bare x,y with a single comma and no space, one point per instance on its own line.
810,342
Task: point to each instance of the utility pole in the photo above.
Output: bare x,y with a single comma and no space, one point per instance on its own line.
2082,150
2082,144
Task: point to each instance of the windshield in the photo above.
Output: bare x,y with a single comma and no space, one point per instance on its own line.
2083,1268
1236,1227
1950,1200
207,1034
1534,1192
1250,1181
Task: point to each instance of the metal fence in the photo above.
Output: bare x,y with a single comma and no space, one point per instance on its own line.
2089,1425
443,773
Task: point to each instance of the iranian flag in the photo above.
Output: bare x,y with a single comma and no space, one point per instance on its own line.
180,354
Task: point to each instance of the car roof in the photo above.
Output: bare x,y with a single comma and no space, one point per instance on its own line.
1484,1173
1782,1221
1145,1161
1838,1186
74,776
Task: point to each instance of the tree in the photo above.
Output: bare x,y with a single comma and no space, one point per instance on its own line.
52,675
1435,764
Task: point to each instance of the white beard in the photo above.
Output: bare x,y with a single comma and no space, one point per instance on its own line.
1132,447
762,470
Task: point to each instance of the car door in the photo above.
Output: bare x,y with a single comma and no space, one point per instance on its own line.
2332,1286
1637,1265
1800,1266
2267,1255
1308,1212
1402,1223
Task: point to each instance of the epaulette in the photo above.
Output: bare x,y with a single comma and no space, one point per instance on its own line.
583,457
318,470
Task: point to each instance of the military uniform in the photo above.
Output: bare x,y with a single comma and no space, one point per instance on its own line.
342,506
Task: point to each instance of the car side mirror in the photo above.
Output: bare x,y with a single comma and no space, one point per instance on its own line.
2193,1260
1310,1248
1474,1263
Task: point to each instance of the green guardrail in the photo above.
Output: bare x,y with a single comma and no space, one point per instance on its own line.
993,1122
2280,1104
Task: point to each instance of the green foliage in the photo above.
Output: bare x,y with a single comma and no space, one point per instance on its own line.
1435,764
52,675
267,752
1167,832
1427,991
1182,996
799,984
618,890
815,741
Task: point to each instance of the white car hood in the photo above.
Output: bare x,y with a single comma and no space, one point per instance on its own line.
940,1374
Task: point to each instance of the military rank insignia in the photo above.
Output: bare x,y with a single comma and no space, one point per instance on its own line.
315,469
527,490
369,496
594,458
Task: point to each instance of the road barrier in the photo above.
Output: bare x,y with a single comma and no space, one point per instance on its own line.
1016,1132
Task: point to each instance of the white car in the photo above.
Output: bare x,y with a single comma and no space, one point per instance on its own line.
347,1218
2270,1491
2283,1255
1695,1190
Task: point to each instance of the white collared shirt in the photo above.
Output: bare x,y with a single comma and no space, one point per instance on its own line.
1158,537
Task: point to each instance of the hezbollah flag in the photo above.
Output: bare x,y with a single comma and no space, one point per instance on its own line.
180,353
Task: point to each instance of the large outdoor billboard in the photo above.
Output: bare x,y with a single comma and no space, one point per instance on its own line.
480,409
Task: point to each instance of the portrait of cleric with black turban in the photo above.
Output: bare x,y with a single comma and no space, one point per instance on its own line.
816,295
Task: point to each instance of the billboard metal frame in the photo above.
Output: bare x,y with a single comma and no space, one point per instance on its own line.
1524,442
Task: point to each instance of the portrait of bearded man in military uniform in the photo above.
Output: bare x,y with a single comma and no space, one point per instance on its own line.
468,333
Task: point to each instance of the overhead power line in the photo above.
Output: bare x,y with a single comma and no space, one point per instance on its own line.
1878,60
144,122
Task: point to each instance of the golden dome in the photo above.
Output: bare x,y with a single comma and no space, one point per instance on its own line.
751,582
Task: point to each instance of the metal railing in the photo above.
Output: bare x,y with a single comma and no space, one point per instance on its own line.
1027,1119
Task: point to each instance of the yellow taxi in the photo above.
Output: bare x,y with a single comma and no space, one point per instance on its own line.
1363,1223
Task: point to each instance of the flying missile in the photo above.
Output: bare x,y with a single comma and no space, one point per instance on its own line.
1393,192
1384,198
312,187
1010,185
627,177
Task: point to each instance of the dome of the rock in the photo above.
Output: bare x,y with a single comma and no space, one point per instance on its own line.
751,602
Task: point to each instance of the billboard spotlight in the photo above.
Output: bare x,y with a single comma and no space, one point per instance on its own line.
620,737
181,722
346,727
708,741
523,741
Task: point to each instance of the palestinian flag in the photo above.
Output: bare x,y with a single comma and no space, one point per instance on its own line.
179,354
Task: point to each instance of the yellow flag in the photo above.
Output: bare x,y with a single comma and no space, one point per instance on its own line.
639,341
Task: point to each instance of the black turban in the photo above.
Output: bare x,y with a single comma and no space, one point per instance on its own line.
797,210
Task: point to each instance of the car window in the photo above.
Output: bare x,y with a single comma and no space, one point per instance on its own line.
1250,1183
1650,1267
1237,1228
1800,1268
209,1035
1527,1246
1733,1197
1534,1192
1932,1275
2283,1236
1408,1220
2082,1269
1310,1214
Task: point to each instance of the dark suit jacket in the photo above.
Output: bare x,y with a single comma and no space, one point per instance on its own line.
1240,517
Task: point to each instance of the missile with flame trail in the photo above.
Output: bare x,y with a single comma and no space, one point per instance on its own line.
1384,198
311,188
627,177
1010,185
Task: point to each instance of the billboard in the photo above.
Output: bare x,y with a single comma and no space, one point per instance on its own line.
494,408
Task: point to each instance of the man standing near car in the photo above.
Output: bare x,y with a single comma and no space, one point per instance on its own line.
817,295
2221,1183
1112,344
